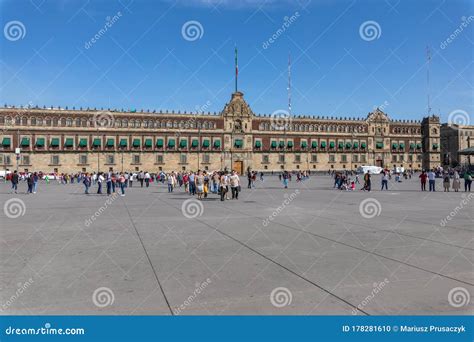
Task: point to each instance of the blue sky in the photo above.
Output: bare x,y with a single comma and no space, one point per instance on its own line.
143,60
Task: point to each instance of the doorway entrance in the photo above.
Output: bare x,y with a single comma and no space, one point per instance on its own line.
238,165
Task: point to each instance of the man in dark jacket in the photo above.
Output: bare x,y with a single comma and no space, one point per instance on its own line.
15,182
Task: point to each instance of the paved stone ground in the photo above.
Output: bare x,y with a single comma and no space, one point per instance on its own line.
320,253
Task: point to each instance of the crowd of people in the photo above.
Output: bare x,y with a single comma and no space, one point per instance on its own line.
227,184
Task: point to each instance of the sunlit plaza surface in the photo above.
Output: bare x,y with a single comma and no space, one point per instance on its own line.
308,249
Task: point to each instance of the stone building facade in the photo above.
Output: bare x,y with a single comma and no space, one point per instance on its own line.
70,140
454,138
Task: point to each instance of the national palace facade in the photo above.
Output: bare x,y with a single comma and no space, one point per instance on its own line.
71,140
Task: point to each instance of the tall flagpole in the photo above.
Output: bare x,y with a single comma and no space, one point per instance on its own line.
428,63
236,69
289,83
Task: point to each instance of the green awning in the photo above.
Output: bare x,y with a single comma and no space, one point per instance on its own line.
282,144
314,144
123,142
136,143
148,143
412,146
356,144
69,142
55,142
363,145
332,144
171,143
304,144
82,142
274,144
6,141
290,144
25,142
323,144
159,143
110,142
206,143
394,146
217,143
348,145
418,146
402,146
40,142
183,143
195,143
238,143
435,146
340,145
258,144
379,144
96,142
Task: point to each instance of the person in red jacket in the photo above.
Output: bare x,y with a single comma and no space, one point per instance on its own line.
423,178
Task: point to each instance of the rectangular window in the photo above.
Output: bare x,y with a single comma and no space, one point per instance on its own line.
265,159
314,158
136,159
281,158
25,160
394,158
7,160
83,159
110,159
183,159
344,158
362,158
401,158
54,160
297,158
332,158
410,157
206,158
159,159
355,158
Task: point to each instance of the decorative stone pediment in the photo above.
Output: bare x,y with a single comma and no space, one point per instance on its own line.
237,107
378,116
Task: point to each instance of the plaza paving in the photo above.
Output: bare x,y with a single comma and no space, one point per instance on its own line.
308,249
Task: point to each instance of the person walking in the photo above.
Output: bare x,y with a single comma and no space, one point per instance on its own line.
29,182
223,186
35,182
87,183
122,180
171,182
14,181
199,180
384,181
147,179
456,181
285,179
192,183
235,185
446,182
100,180
367,182
423,177
249,179
467,181
108,182
432,180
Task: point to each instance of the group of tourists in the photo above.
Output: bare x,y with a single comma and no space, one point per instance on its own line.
450,180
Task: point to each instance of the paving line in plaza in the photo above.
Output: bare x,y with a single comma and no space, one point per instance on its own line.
243,244
149,260
355,247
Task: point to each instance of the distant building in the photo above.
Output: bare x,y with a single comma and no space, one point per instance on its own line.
453,139
72,140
